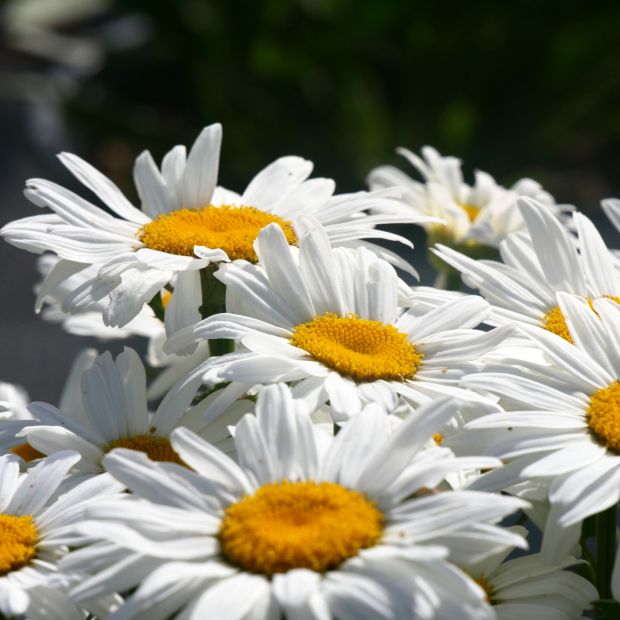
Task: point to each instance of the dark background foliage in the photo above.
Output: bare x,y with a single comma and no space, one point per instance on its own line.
517,89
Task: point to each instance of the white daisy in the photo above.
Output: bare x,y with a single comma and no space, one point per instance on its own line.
528,587
482,214
114,413
305,525
17,401
330,320
562,427
523,288
186,223
35,527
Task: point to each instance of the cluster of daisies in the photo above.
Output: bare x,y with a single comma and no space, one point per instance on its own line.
307,436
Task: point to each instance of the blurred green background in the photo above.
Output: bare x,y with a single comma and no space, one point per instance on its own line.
520,88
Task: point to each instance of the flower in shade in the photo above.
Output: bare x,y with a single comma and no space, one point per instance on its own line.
113,413
304,524
89,322
185,224
329,319
526,586
36,525
483,213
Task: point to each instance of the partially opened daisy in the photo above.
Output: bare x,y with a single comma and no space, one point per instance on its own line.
304,524
185,224
527,587
562,427
329,319
523,288
18,401
36,525
482,214
114,413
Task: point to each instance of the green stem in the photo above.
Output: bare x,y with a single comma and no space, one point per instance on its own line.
158,307
605,550
221,346
214,302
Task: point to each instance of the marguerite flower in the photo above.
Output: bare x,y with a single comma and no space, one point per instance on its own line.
16,401
114,414
482,214
528,587
329,319
186,223
562,427
304,525
35,527
523,288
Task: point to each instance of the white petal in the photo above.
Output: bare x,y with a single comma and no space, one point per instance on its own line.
103,188
201,169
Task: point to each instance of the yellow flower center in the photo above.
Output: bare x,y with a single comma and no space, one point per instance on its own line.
298,525
18,538
359,348
166,296
155,447
484,584
27,452
604,416
232,229
471,210
555,322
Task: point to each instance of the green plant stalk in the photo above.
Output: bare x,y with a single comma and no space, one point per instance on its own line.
605,550
214,302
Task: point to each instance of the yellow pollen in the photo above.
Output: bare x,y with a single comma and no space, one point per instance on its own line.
233,229
166,296
298,525
438,438
555,322
18,538
471,210
484,584
27,452
604,416
155,447
359,348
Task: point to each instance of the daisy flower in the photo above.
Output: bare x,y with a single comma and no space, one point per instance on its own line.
528,587
17,402
329,320
35,526
482,214
304,525
523,288
185,224
562,427
114,413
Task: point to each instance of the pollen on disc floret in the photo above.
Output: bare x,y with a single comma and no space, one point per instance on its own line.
362,349
604,416
18,539
230,228
155,447
555,322
289,525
